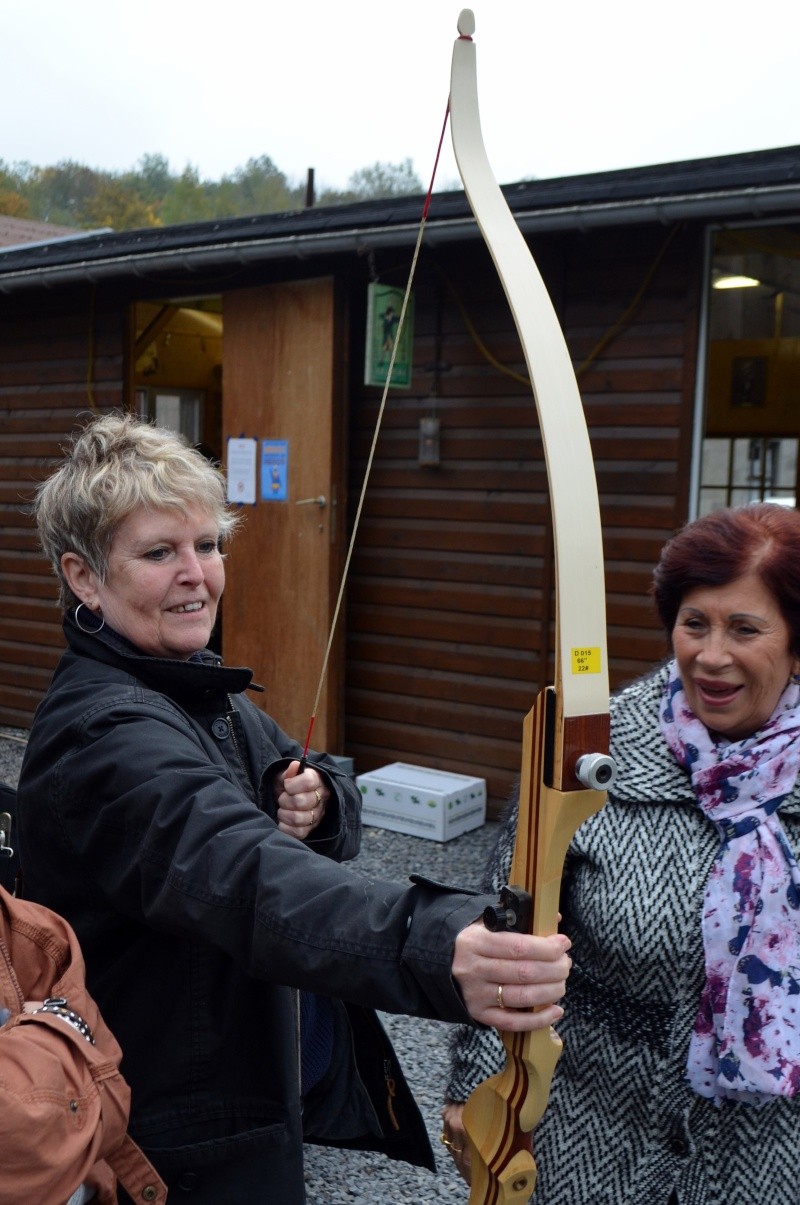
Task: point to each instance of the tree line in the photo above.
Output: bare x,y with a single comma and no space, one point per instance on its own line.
150,194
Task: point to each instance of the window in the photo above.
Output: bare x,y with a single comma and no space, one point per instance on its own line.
754,469
177,409
752,398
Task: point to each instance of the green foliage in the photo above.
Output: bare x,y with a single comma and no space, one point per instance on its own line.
12,204
118,207
71,194
260,187
187,200
385,180
153,179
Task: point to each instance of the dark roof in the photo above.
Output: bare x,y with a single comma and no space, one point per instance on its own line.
742,185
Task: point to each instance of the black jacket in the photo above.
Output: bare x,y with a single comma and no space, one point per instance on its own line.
145,818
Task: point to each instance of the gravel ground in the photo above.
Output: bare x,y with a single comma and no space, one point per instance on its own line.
354,1178
12,746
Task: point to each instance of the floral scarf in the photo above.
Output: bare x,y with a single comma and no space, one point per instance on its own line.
746,1039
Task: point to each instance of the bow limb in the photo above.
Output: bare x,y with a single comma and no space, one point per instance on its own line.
565,761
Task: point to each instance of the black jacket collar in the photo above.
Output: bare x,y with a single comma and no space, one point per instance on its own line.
179,679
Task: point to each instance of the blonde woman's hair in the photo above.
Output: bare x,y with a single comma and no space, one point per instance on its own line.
115,465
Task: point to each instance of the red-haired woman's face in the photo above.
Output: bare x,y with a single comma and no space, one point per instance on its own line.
733,649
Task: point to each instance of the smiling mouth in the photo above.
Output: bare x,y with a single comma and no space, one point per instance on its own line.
187,608
717,693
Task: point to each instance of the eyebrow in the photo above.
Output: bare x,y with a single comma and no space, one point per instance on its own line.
733,615
143,544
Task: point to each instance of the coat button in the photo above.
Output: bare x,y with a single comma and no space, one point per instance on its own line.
187,1181
149,1192
221,729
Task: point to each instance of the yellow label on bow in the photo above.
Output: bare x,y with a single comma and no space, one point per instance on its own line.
586,661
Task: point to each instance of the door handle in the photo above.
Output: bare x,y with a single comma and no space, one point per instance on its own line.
320,501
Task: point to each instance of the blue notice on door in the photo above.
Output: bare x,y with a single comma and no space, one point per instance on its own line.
274,469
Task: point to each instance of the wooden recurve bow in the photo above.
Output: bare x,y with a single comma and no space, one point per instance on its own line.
565,762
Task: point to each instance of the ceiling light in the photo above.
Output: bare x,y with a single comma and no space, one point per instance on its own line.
730,280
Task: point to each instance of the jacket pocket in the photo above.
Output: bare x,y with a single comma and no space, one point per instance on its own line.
214,1150
228,1167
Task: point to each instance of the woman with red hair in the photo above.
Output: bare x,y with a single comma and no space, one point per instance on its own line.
680,1076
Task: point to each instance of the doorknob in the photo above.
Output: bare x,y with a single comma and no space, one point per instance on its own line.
321,502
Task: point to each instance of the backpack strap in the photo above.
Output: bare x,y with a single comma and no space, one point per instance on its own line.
136,1173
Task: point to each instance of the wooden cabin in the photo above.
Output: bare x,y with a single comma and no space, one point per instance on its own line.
255,329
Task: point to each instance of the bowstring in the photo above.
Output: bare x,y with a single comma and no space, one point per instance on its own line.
376,433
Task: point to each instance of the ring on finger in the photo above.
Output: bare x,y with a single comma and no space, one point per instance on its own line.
318,796
499,998
445,1141
313,810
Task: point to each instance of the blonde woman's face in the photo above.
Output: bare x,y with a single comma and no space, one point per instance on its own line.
164,581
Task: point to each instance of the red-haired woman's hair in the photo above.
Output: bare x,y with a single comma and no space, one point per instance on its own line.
719,548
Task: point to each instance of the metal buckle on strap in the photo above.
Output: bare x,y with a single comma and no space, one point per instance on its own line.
5,833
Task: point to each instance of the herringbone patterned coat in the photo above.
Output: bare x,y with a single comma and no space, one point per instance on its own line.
622,1127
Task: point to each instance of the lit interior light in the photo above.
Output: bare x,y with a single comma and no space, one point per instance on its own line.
728,280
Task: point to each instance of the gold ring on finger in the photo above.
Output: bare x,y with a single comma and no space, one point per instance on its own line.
500,1003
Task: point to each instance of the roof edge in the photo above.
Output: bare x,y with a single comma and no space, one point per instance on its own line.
753,201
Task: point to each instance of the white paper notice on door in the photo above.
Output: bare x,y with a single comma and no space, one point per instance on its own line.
242,470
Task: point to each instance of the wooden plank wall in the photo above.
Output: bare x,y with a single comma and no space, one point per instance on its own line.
45,367
450,611
639,401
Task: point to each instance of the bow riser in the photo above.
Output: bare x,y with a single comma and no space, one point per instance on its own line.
501,1113
548,820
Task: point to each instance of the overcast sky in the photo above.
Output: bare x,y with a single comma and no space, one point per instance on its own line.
565,86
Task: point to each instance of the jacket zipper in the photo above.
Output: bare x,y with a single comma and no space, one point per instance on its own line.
232,723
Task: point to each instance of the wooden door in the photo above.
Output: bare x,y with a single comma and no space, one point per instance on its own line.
281,376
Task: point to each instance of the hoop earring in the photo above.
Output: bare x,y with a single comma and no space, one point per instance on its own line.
88,631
